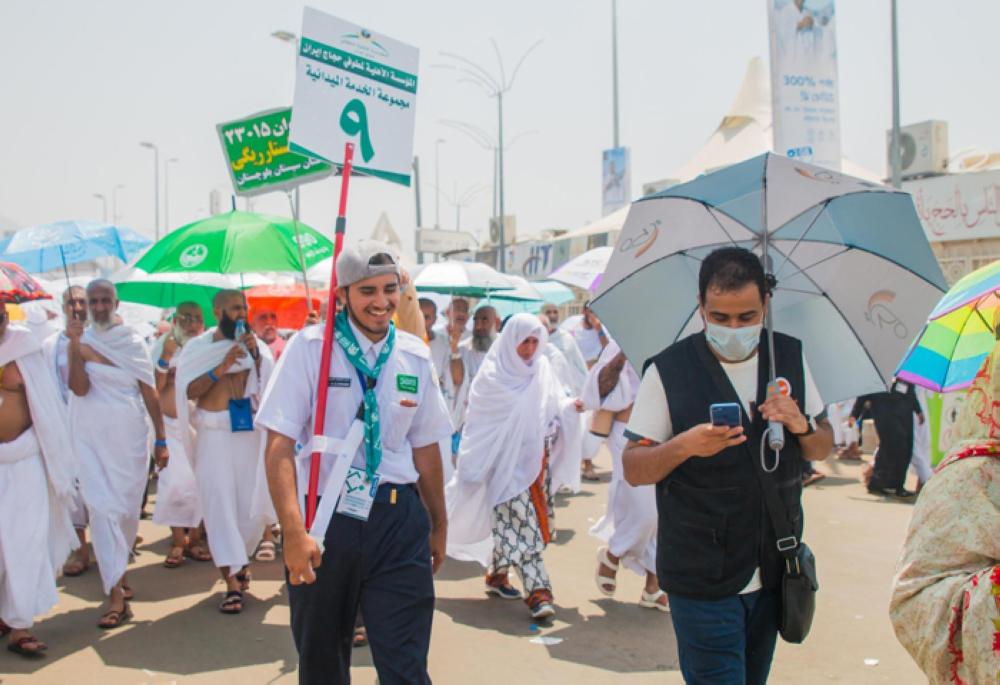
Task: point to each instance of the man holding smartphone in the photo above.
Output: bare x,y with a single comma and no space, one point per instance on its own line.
717,552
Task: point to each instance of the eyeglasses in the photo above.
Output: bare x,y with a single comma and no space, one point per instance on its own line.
189,318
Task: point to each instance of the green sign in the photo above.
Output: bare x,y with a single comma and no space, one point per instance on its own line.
258,157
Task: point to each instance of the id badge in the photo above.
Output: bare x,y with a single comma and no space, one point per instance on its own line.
357,495
240,415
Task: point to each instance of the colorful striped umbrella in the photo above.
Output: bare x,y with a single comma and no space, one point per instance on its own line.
959,333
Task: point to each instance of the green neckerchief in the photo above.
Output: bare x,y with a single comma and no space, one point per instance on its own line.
349,344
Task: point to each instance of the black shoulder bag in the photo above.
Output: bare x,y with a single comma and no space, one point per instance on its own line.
798,579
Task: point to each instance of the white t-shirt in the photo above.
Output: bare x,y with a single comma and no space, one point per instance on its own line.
651,412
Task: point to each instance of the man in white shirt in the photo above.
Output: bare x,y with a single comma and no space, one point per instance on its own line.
717,551
380,526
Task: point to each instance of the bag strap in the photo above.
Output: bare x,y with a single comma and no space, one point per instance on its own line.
787,540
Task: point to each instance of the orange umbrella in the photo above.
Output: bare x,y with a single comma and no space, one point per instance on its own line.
288,302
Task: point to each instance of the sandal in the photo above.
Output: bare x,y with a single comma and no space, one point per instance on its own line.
652,601
266,551
198,551
76,566
243,578
19,646
175,558
360,638
607,585
589,473
232,603
115,618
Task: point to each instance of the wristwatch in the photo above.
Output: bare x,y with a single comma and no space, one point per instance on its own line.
810,427
456,356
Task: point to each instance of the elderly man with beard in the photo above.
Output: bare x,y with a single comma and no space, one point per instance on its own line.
471,351
178,503
380,529
74,306
113,392
264,323
225,370
36,486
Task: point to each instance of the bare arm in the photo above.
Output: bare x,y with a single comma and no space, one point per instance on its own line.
427,460
457,365
607,379
302,554
818,445
202,384
79,382
152,401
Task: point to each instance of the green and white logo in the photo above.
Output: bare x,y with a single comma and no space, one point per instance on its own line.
193,255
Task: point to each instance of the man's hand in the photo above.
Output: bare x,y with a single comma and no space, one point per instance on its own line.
234,354
302,555
74,329
312,318
161,457
920,419
439,538
250,341
169,347
706,440
786,410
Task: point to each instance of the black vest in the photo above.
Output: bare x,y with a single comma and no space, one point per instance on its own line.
713,526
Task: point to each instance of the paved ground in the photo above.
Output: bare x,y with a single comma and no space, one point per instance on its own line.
178,636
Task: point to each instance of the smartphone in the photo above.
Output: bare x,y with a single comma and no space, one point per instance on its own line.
241,328
726,414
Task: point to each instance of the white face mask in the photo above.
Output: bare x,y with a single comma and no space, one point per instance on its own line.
733,344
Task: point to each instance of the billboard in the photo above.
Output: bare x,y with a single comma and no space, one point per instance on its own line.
804,88
616,179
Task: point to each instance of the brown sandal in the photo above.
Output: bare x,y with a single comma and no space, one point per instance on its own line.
243,578
175,558
115,618
19,646
75,566
197,551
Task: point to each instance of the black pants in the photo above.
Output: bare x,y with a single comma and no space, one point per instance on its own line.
382,566
895,449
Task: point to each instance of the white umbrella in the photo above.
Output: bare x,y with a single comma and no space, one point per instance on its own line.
586,270
464,279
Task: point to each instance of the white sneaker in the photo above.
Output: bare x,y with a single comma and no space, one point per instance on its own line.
543,610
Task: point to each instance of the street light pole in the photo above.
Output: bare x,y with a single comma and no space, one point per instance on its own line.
115,219
493,87
894,152
614,66
437,182
156,184
104,201
166,192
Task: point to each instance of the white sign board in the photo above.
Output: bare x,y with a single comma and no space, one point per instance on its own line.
804,92
958,206
440,242
354,86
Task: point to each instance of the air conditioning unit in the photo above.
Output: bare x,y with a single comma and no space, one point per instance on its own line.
923,149
509,230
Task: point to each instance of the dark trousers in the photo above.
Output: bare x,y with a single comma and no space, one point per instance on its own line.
726,641
895,449
382,566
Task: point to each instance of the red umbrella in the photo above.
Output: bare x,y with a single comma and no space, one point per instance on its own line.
16,286
288,302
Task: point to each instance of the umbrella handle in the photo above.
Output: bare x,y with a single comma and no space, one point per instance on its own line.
322,385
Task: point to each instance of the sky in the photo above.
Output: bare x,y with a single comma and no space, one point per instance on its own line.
83,83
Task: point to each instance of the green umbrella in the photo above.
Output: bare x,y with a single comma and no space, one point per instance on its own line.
170,289
237,242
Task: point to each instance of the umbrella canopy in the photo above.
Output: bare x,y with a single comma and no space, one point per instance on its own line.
166,290
856,275
288,302
56,245
462,279
16,286
586,270
959,334
237,242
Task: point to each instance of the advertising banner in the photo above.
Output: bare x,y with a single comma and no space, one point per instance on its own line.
804,89
616,179
958,206
353,85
